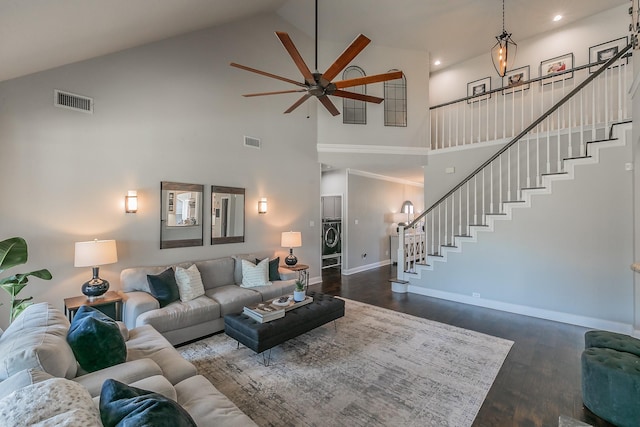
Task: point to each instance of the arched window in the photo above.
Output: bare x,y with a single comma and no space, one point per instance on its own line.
395,102
354,112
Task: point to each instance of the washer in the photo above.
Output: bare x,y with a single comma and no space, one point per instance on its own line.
331,237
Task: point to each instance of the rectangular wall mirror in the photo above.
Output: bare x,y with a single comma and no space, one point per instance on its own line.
227,215
181,215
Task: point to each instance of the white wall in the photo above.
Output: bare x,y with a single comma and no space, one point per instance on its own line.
451,83
366,227
168,111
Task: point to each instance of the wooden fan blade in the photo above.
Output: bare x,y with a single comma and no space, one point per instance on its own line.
329,105
369,79
346,57
264,73
248,95
357,96
295,55
298,103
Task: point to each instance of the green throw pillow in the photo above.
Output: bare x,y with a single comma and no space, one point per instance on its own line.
96,340
274,274
124,405
164,287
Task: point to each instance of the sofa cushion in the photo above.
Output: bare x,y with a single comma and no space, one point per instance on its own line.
189,283
255,275
208,406
145,342
163,287
37,339
181,314
53,402
217,272
128,372
96,340
22,379
233,299
122,405
277,289
274,266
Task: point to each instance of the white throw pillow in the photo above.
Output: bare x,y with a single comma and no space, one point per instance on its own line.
189,282
54,402
255,275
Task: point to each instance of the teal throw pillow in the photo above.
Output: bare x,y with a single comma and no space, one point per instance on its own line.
124,405
274,274
164,287
96,340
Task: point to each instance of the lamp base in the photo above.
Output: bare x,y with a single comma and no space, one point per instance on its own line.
291,259
95,288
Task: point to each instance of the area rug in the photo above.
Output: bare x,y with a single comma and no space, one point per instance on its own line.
373,367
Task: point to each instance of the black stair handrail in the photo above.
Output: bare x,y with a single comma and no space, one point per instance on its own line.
528,129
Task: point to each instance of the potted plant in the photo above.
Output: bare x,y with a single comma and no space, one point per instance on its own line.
299,293
13,252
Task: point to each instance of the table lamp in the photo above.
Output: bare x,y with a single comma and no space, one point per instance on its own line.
291,239
94,254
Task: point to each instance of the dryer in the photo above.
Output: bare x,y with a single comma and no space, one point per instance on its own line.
331,237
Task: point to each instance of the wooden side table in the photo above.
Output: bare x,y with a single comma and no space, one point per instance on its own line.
303,272
110,304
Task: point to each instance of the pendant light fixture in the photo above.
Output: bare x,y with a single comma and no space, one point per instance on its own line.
503,53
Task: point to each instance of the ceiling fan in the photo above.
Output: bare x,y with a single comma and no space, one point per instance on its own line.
319,84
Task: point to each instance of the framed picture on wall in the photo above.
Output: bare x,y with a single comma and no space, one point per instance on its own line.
605,51
554,69
477,88
514,80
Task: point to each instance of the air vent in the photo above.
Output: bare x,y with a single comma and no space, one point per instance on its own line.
73,101
252,142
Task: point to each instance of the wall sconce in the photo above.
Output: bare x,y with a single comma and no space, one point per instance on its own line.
131,202
262,205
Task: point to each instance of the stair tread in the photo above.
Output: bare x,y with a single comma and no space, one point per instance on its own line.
554,173
577,158
514,201
534,188
462,235
449,246
435,255
602,140
495,213
478,225
398,281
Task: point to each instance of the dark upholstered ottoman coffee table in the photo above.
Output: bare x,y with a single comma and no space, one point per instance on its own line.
263,336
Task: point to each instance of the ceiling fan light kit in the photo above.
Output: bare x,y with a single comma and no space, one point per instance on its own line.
319,84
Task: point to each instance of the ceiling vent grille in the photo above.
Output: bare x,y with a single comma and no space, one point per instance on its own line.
252,142
73,101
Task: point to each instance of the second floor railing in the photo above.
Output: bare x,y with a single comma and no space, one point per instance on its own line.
501,114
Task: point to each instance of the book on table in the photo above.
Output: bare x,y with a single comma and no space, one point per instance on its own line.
274,309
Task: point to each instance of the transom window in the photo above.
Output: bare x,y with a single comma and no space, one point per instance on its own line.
354,112
395,102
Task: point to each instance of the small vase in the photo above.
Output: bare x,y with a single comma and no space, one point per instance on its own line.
298,296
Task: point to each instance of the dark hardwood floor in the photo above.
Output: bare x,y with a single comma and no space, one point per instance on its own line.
540,378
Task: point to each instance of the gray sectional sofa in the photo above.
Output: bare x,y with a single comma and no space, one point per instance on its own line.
41,382
180,322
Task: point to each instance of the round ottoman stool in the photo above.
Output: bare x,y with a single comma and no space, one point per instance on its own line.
611,385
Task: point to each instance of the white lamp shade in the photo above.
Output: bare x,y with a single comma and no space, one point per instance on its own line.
95,253
291,239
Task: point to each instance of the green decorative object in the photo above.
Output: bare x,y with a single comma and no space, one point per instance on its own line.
13,252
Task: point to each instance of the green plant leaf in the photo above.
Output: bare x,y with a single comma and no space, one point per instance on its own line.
13,252
18,307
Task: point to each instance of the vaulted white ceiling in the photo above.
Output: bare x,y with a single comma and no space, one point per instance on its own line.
36,35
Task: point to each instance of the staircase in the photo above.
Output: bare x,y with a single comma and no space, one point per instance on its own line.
570,131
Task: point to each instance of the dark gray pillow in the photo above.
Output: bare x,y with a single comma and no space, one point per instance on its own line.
96,340
164,287
124,405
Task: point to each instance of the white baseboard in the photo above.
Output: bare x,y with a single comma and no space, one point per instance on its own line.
572,319
362,268
315,280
